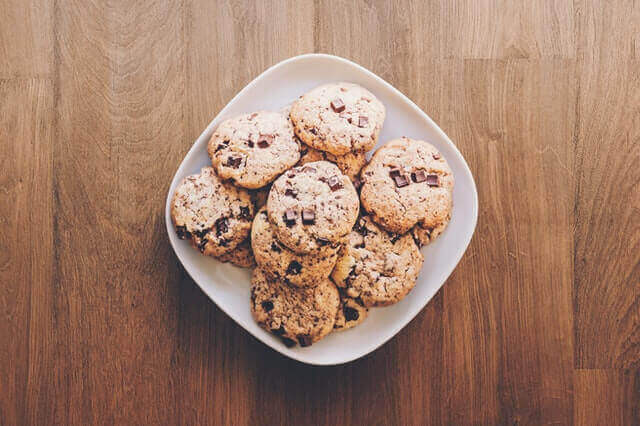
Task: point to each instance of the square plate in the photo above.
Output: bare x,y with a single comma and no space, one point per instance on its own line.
228,286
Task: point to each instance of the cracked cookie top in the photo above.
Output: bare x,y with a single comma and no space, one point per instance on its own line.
408,183
215,216
338,118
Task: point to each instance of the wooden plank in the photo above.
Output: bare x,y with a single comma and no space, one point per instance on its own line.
607,397
26,238
505,29
219,368
607,244
26,42
120,98
507,307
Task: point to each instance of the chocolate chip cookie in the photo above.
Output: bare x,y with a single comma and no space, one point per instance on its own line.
338,118
300,315
215,216
312,206
375,266
408,184
349,164
351,312
253,149
282,263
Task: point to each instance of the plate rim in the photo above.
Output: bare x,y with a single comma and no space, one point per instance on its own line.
399,325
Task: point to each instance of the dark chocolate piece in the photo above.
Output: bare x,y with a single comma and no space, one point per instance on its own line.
267,305
291,193
305,340
363,121
265,140
401,181
337,105
433,180
222,226
308,217
419,176
334,183
351,314
294,268
290,217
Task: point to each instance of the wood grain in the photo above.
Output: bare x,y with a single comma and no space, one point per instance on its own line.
607,397
538,324
26,242
607,188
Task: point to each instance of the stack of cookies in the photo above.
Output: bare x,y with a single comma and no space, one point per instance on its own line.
332,235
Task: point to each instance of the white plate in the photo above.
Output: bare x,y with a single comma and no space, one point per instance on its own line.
228,286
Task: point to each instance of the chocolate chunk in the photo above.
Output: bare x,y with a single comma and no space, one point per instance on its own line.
304,340
350,314
278,331
265,140
182,232
288,342
362,121
220,146
401,181
294,268
308,217
267,305
419,176
322,241
291,193
394,237
250,143
334,183
394,172
337,105
234,162
275,247
436,156
290,217
313,131
222,226
291,173
245,213
433,180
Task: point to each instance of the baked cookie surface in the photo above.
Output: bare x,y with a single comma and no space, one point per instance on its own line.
338,118
282,263
216,216
312,206
241,256
253,149
375,266
351,312
300,315
408,183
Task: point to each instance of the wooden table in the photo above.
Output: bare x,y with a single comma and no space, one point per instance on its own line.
539,323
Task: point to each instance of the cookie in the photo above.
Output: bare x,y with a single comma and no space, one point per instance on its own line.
300,315
241,256
253,149
351,312
375,266
312,206
214,215
338,118
349,164
282,263
408,184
